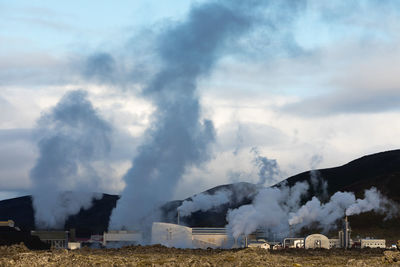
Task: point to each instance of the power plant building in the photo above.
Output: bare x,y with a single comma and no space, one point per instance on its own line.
122,238
373,243
174,235
56,239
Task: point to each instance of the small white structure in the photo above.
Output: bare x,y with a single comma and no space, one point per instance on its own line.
334,243
122,237
74,245
293,242
373,243
261,243
316,241
9,223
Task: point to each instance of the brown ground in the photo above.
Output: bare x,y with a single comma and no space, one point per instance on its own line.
19,255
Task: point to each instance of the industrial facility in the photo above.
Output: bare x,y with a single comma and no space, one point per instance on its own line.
175,235
56,239
120,238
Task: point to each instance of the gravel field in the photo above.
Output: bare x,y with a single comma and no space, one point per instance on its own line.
19,255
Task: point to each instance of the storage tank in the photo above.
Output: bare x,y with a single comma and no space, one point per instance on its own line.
316,241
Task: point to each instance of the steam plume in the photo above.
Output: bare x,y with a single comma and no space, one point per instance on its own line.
204,202
270,208
373,201
177,138
268,172
318,184
340,203
277,209
72,138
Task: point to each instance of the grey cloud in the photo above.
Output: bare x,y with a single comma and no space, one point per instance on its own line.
248,135
268,169
100,66
17,154
346,101
35,69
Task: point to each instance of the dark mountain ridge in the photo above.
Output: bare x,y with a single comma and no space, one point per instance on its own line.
381,170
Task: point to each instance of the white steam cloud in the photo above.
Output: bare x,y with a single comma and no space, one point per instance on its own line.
277,210
72,137
268,169
204,202
341,203
270,210
178,138
373,201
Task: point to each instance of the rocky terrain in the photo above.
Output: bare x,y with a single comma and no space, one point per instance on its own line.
19,255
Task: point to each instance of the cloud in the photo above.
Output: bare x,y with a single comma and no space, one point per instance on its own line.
30,69
17,155
346,101
100,66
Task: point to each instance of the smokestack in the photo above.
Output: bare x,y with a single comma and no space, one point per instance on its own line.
178,217
346,233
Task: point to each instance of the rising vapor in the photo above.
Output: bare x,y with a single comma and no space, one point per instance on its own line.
269,210
341,203
204,202
177,138
268,169
278,210
72,137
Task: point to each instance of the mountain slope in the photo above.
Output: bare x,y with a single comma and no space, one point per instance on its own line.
381,170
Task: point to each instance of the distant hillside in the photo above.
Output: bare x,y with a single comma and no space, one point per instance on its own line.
91,221
381,170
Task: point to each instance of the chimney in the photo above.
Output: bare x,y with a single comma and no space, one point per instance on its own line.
346,233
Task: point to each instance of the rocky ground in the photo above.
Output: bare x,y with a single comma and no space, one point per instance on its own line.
19,255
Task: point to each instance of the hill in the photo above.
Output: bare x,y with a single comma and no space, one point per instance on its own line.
381,170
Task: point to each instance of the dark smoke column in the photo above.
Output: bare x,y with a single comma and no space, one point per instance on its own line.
177,139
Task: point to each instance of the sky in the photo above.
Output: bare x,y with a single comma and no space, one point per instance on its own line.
322,83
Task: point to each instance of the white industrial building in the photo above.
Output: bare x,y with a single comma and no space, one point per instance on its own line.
372,243
334,243
174,235
122,238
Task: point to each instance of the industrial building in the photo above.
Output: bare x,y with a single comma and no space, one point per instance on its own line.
8,223
372,243
293,242
174,235
122,238
56,239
